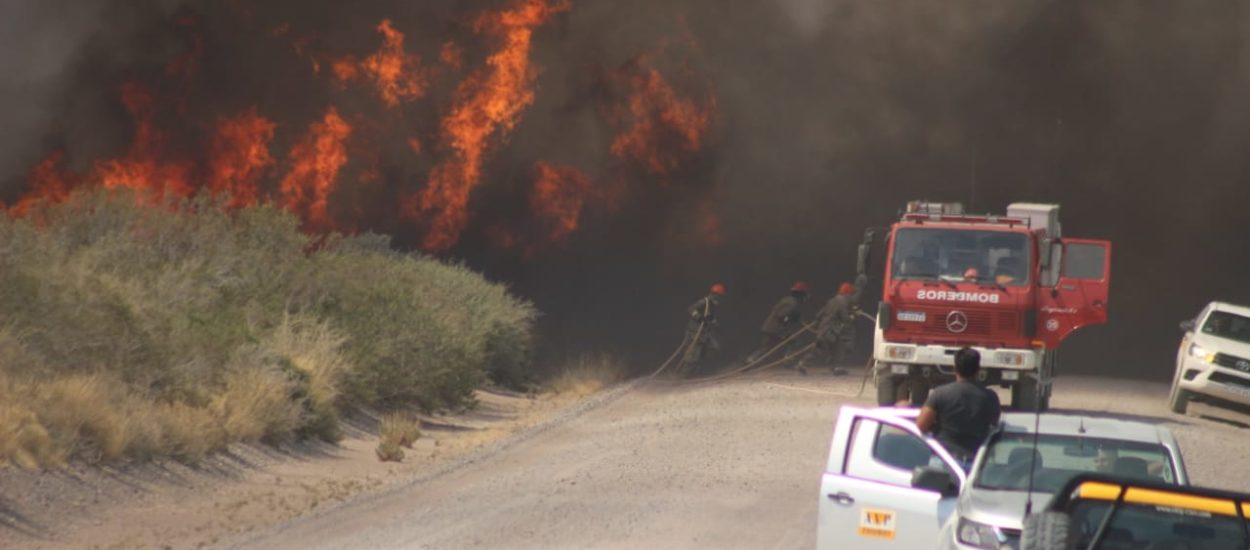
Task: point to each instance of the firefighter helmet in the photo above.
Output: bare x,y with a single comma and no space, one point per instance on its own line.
846,289
718,289
800,286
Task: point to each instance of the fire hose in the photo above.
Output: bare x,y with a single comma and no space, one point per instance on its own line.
680,348
755,364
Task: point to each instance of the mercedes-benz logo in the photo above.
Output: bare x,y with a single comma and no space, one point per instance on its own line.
1243,365
956,321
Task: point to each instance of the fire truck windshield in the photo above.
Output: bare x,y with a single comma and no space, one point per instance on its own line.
998,257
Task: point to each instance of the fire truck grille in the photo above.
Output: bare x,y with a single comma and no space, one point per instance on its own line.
979,323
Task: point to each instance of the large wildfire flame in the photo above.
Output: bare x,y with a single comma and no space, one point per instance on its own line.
315,164
488,101
329,160
397,75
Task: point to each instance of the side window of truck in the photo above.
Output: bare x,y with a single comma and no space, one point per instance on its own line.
1085,261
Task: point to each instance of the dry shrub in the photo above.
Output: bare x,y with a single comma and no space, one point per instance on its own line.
256,405
389,451
23,440
130,332
85,415
588,374
398,431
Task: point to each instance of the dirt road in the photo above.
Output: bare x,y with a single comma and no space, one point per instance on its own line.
733,464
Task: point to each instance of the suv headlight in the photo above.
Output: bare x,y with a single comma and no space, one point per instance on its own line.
1201,353
979,535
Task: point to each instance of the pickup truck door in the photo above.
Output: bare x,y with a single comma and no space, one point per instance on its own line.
866,497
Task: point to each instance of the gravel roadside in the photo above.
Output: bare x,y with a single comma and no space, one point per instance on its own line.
731,464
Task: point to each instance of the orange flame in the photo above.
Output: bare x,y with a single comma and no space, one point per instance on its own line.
665,128
558,195
707,230
315,164
48,183
239,157
487,102
140,168
397,75
451,55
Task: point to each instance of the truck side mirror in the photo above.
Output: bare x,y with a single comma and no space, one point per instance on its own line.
936,479
1188,325
861,261
1044,254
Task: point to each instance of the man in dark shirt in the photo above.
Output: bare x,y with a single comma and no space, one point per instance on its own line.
961,414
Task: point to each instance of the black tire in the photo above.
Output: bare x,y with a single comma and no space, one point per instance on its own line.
1179,400
887,390
919,388
1025,396
1047,531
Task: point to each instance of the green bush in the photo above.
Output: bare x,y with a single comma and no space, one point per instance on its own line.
185,327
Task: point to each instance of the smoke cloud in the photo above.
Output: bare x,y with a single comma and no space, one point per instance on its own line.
822,118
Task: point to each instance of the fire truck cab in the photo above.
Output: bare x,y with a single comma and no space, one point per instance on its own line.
1011,287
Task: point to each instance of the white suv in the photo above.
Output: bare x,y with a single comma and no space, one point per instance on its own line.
1214,358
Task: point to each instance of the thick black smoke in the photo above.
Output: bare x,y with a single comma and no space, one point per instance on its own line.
831,115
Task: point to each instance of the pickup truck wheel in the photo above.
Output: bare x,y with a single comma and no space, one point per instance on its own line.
1047,531
887,390
1179,400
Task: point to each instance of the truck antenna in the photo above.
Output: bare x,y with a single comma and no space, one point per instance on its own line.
1037,422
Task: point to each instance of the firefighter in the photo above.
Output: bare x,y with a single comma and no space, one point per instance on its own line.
835,328
784,318
701,328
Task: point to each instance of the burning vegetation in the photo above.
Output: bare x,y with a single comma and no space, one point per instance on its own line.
327,155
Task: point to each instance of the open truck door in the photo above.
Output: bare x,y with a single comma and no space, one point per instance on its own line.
1079,295
885,485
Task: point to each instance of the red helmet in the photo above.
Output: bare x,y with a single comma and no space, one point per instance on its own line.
971,274
718,289
800,286
846,289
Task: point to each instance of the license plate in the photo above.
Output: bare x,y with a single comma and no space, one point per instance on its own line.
1011,375
898,369
911,316
1242,390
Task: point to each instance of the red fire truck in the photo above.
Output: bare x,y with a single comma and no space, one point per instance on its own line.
1011,287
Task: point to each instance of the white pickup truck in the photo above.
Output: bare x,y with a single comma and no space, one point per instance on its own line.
886,485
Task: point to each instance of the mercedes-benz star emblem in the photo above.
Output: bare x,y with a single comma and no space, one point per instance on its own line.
1243,365
956,321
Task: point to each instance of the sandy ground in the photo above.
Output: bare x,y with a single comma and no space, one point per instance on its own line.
172,505
733,464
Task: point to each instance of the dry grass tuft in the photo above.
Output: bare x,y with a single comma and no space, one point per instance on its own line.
587,375
398,431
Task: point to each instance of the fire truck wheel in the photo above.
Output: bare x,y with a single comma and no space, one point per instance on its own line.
919,389
887,391
1025,397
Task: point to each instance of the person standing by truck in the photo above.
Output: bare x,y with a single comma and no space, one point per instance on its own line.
961,414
